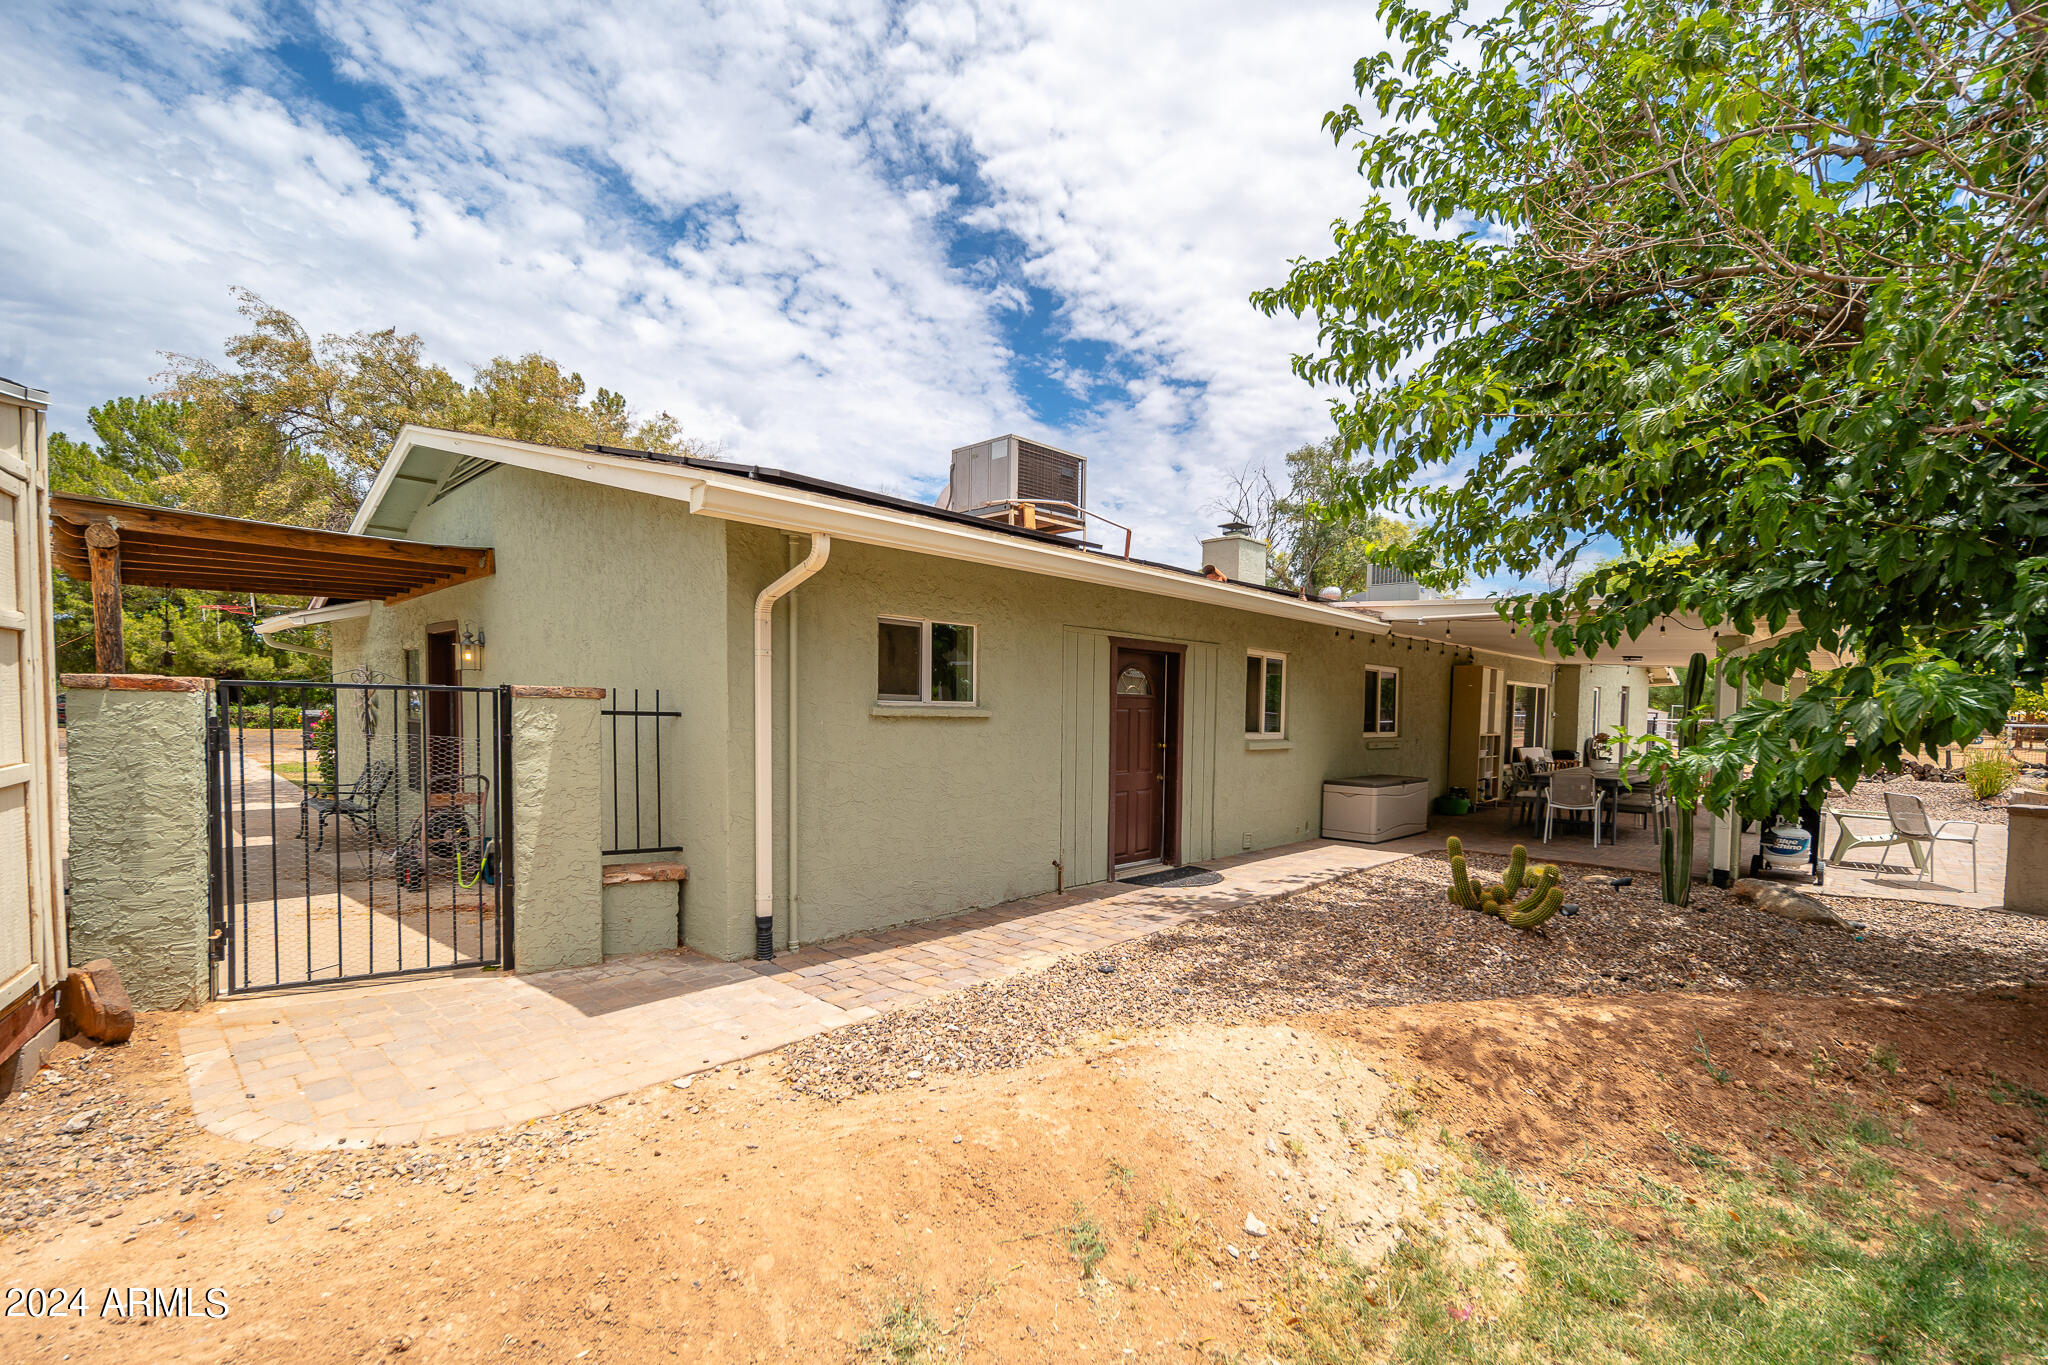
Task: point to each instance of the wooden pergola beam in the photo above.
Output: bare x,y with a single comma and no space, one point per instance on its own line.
168,547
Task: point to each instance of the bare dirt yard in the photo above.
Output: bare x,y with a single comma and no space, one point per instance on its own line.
1352,1123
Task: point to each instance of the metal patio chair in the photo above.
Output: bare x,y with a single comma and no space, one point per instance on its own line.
357,804
1909,818
1647,801
1883,835
1576,792
1525,786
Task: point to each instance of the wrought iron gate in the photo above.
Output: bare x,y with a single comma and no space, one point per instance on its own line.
366,838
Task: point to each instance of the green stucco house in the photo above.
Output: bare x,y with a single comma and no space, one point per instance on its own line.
888,712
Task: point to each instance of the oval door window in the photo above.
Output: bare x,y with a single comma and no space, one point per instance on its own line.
1132,682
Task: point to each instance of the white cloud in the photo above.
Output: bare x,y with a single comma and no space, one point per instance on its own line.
737,213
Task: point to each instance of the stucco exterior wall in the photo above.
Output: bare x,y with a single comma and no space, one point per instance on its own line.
885,816
557,876
136,777
641,917
1577,720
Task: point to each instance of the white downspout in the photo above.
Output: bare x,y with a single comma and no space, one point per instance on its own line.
764,741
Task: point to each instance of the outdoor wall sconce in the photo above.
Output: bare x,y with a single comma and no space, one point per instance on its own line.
471,649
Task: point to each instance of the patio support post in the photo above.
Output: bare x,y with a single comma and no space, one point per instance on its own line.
1725,842
103,548
764,741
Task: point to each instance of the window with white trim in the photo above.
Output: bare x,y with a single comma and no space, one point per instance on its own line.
924,661
1383,702
1265,695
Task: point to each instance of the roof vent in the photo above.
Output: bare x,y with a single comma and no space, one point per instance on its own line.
1020,483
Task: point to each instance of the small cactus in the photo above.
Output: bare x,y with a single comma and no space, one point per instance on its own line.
1543,898
1552,902
1518,867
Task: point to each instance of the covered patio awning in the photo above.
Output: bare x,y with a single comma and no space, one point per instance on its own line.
109,544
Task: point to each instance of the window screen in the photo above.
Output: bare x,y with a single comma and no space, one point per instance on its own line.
1265,694
897,660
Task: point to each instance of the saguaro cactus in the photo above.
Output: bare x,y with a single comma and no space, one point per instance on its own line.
1674,856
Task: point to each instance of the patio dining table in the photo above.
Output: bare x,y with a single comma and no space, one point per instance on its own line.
1608,777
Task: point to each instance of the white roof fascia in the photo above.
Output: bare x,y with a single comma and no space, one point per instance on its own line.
730,497
313,616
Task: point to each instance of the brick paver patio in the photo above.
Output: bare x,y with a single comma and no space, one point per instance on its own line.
436,1056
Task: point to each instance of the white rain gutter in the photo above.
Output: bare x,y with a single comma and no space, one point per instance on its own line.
764,741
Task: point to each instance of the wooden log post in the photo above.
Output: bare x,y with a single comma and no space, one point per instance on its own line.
103,546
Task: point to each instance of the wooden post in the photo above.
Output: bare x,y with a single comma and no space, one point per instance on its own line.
103,547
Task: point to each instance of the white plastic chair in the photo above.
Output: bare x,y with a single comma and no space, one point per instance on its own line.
1909,818
1576,792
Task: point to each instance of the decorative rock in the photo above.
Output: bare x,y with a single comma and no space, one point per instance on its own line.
1253,1227
96,1003
1786,903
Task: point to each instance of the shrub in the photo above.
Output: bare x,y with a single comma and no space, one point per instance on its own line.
1989,774
324,745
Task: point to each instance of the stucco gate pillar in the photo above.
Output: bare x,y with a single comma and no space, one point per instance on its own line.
557,876
135,773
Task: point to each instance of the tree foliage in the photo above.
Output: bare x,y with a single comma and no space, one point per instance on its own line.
1316,542
140,448
1753,293
293,429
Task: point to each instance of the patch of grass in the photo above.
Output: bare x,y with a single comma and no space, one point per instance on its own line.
1167,1225
1696,1156
1706,1056
1820,1062
1886,1059
1084,1241
1123,1175
1746,1269
2003,1091
905,1333
1988,774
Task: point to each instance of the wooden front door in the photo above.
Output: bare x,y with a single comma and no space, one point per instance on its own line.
1140,753
444,717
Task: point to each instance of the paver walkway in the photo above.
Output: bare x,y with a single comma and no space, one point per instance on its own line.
437,1056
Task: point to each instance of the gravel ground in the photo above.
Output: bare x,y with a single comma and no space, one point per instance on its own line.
1387,936
1944,800
126,1145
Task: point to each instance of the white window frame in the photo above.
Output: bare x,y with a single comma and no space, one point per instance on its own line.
1373,671
924,626
1270,656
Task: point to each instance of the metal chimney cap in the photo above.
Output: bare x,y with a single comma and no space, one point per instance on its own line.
1237,528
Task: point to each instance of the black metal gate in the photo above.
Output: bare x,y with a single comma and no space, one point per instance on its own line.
359,838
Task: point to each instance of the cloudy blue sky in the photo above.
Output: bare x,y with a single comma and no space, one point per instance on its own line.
841,238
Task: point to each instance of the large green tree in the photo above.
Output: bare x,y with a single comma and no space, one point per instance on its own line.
138,455
1748,298
1317,541
293,428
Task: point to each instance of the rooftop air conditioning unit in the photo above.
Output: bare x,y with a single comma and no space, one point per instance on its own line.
1020,483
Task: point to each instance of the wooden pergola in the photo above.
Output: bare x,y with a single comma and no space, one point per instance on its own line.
108,544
